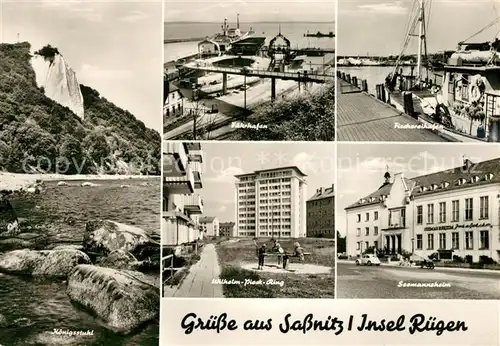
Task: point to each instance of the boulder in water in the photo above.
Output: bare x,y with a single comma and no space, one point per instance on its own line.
89,184
42,263
9,224
118,259
62,183
104,236
122,299
3,321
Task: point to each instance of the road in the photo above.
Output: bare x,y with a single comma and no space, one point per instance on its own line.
382,282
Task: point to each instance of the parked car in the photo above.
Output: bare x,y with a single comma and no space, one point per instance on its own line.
369,259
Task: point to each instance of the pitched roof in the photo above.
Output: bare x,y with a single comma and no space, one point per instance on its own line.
474,174
324,193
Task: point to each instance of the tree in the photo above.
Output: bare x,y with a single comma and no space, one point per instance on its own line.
341,243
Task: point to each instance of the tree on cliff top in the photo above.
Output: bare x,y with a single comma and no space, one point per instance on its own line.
47,52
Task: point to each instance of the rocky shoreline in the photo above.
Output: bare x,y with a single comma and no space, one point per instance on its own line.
23,182
112,274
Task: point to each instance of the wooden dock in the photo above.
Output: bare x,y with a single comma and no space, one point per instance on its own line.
361,117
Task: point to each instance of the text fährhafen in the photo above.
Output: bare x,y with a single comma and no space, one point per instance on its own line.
417,323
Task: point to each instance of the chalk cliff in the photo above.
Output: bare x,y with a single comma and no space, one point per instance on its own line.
62,86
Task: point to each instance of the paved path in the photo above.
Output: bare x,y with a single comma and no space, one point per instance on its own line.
198,283
363,118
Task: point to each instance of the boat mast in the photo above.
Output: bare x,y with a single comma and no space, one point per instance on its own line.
421,39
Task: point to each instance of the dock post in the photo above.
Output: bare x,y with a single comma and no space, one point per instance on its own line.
273,88
364,85
348,78
408,103
382,93
224,83
355,81
342,75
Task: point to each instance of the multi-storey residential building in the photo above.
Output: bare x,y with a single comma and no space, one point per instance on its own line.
226,229
210,226
321,213
271,203
451,213
173,101
181,204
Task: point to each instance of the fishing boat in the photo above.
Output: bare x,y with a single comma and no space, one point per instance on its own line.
467,102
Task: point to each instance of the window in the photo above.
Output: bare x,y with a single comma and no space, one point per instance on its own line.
454,211
483,207
430,241
358,231
367,245
375,244
375,215
469,240
358,245
442,212
455,243
484,240
420,217
367,231
430,213
468,209
442,240
367,217
359,217
403,217
375,230
419,242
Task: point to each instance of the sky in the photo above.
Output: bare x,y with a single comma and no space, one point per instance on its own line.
224,160
361,167
114,47
250,10
377,27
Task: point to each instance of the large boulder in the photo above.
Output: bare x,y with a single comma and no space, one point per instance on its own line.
57,263
9,225
122,299
103,237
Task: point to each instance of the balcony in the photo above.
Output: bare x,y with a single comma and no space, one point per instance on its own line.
197,171
193,204
179,184
178,229
194,151
175,159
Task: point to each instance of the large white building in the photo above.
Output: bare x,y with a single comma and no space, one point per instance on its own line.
182,206
451,213
271,203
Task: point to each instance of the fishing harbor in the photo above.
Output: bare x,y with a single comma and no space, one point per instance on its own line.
234,73
455,91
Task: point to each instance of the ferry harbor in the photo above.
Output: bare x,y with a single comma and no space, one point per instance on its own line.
233,74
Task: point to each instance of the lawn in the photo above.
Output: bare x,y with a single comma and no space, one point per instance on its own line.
232,254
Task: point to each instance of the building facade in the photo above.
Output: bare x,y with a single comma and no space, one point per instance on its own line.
173,105
226,229
271,203
182,206
450,213
321,213
210,226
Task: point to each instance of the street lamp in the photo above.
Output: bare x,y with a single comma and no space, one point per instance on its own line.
412,246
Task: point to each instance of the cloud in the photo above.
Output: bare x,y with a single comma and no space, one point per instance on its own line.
222,208
305,161
76,9
91,72
133,17
395,7
226,175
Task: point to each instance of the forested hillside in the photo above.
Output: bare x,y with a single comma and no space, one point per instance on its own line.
39,135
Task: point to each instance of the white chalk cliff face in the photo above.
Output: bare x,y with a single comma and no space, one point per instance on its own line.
60,83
